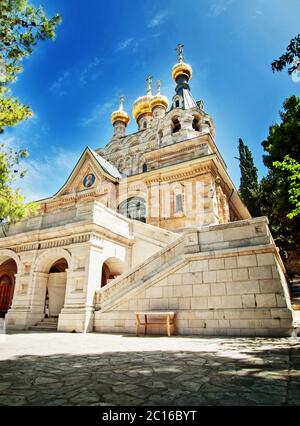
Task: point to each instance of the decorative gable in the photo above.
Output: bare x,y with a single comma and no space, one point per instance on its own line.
90,172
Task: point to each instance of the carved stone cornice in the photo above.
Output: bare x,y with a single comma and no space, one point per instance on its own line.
174,149
206,168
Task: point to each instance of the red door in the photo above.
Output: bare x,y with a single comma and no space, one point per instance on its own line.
6,293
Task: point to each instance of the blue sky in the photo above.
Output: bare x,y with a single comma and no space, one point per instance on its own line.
105,49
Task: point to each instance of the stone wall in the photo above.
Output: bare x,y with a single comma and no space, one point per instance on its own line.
230,281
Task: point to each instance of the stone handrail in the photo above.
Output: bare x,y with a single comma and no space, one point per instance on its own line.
140,273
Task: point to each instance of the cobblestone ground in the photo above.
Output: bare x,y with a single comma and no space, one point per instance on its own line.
97,369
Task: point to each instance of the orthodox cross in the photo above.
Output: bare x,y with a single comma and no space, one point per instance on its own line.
121,103
149,79
179,49
158,84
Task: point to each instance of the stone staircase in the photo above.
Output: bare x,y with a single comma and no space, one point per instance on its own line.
141,275
295,293
46,324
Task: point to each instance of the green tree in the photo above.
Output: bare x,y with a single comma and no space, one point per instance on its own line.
249,186
12,206
275,196
284,138
290,57
293,167
21,27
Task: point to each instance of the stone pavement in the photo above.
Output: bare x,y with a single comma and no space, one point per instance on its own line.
101,369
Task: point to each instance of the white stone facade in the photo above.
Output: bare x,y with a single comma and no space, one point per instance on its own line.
89,259
222,280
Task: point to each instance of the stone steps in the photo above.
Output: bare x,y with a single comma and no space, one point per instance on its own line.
49,324
140,275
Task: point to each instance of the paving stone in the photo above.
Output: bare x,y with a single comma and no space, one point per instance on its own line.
95,369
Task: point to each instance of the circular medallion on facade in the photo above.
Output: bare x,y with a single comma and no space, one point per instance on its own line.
89,180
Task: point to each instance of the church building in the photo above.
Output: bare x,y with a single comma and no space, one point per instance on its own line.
152,221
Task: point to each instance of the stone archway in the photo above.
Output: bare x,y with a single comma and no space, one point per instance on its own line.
51,275
9,265
112,268
56,288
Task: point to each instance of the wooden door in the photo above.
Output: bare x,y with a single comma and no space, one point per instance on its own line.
6,293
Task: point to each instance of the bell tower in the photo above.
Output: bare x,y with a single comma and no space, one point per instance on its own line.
120,119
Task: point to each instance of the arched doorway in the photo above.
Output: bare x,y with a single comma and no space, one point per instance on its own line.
56,288
112,268
8,269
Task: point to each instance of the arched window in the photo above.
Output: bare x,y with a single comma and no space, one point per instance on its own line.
178,203
145,125
134,208
177,101
176,126
144,168
121,164
196,123
160,136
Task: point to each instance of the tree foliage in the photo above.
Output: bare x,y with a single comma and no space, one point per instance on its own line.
290,57
277,195
21,27
278,198
12,206
249,180
284,138
293,168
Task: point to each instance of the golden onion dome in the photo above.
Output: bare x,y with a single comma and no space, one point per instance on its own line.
142,104
120,115
182,68
158,99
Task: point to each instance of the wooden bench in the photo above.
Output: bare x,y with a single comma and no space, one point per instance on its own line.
168,322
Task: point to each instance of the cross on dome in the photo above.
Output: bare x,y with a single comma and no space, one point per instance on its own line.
149,80
179,50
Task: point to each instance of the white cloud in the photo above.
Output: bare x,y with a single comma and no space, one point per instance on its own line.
125,44
97,113
130,43
157,20
91,71
217,7
58,86
46,175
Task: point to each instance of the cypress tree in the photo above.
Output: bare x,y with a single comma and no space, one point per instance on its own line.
249,186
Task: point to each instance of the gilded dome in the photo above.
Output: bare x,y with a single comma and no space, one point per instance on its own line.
158,99
182,68
141,106
120,115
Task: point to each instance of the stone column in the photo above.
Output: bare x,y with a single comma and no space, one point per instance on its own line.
83,278
28,302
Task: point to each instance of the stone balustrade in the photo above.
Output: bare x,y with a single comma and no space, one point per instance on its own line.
139,274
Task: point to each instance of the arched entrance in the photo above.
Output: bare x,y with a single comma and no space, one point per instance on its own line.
56,288
112,268
8,269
